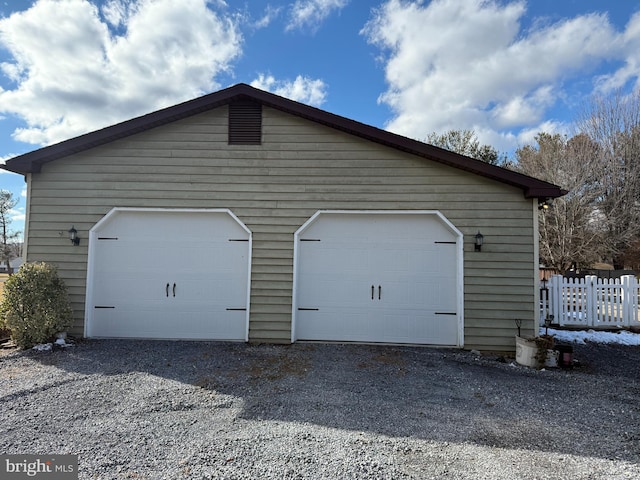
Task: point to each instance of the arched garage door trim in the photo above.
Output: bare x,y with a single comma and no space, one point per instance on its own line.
449,239
196,251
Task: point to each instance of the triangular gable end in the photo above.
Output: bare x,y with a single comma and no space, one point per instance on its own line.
247,129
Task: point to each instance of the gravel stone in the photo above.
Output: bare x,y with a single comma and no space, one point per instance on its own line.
210,410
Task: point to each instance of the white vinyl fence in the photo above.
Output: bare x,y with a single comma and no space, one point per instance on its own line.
591,301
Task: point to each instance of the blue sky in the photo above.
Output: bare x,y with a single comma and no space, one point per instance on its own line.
506,69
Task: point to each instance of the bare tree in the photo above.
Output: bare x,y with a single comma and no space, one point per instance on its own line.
7,237
614,124
570,235
632,256
465,142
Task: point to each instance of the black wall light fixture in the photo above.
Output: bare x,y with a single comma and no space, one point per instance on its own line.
73,236
479,241
545,204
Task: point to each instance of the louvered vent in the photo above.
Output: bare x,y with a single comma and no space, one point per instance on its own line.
245,123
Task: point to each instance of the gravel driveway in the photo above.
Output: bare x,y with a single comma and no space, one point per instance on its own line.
144,409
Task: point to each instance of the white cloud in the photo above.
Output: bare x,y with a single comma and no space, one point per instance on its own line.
270,14
629,48
73,74
17,215
311,13
116,12
470,65
302,89
527,136
523,109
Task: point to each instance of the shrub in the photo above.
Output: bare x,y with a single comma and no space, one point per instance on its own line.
4,332
35,305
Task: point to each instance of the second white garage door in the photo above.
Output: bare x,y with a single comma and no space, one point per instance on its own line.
170,274
392,277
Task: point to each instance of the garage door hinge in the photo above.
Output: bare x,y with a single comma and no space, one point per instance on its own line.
450,243
238,239
309,239
103,306
309,309
446,313
236,309
107,238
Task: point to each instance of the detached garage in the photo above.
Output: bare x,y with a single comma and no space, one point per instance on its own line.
245,216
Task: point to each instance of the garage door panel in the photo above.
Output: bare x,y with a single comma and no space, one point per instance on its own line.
409,326
332,324
113,292
324,289
395,294
425,292
430,261
320,257
225,290
116,256
390,259
131,321
221,255
391,327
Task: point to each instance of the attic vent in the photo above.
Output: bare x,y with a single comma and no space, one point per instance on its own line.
245,123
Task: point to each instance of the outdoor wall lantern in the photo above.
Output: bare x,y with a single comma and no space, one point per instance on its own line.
479,241
73,236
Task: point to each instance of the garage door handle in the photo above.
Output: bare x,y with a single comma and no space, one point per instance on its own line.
167,290
379,292
174,289
373,289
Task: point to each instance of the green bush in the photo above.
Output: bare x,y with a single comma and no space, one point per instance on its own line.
35,305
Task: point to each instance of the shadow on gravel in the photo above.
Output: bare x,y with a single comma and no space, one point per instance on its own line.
434,394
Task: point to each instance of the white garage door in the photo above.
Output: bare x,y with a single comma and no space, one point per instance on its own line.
379,277
172,274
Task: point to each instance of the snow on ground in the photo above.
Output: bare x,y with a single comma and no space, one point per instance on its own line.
582,336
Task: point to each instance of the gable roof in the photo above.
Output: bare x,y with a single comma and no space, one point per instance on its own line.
32,162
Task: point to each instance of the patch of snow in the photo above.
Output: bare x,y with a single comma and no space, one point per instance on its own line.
582,336
46,347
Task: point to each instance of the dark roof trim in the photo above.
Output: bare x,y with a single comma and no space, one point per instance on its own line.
33,161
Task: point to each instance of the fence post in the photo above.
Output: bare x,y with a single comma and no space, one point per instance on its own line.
555,298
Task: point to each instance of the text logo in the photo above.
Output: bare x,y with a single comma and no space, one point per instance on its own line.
50,467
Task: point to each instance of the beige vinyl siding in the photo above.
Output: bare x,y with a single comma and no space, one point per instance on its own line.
301,167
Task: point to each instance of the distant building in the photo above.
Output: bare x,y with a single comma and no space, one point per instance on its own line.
15,264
